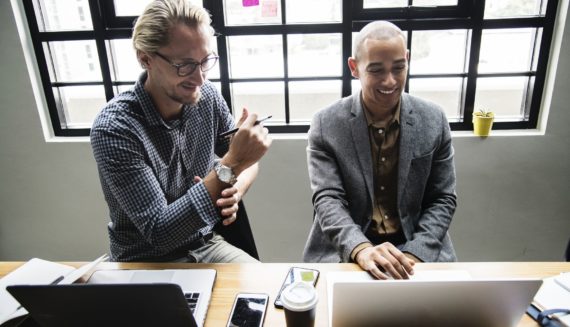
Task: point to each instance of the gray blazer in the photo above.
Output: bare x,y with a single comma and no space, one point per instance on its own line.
341,174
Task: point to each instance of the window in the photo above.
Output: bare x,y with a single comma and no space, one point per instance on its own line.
287,58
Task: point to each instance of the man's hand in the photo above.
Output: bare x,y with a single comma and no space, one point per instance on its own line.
389,258
227,203
248,145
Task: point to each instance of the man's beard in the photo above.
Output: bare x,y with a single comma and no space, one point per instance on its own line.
190,102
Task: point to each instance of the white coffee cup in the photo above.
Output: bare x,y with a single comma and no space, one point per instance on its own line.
300,304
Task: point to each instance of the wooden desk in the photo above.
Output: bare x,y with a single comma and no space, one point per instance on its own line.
267,278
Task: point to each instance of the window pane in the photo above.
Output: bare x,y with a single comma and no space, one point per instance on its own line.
315,55
438,51
404,3
306,98
514,8
384,3
502,95
431,3
537,44
63,15
214,73
314,11
444,91
267,98
135,8
129,7
266,12
256,56
73,61
123,59
79,104
506,50
355,86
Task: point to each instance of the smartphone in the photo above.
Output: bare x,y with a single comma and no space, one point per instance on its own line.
248,310
296,274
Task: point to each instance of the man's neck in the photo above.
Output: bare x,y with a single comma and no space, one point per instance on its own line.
380,114
166,107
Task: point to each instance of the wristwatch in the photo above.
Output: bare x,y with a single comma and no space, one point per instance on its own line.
225,174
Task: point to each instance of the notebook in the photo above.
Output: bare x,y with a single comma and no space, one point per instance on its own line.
122,297
428,302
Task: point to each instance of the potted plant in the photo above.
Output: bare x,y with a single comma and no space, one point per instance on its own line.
482,122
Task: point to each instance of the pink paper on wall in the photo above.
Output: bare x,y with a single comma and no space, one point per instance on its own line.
269,8
249,3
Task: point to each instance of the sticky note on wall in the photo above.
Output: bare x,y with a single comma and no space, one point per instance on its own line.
269,8
249,3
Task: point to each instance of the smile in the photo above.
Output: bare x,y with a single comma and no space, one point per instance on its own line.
189,86
387,91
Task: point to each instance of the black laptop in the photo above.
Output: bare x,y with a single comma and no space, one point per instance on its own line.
154,304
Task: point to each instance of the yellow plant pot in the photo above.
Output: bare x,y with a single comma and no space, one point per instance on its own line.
482,124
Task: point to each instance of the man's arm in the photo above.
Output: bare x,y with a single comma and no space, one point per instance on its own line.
131,184
329,196
231,196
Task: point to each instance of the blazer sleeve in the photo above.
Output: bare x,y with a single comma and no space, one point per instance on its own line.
329,196
438,202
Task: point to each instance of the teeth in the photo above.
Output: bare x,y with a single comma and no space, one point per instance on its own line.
387,92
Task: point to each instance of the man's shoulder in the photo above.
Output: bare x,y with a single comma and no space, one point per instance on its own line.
421,106
122,109
339,109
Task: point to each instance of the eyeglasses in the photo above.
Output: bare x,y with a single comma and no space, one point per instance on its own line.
185,69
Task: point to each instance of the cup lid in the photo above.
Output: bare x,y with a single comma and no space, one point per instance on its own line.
299,296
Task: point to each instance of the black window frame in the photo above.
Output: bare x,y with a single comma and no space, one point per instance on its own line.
468,14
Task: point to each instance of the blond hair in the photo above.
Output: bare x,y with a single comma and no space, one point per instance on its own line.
378,30
151,30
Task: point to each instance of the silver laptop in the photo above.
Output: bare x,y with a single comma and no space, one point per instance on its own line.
458,302
196,284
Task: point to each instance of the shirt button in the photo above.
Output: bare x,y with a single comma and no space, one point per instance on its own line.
386,216
382,188
383,159
380,131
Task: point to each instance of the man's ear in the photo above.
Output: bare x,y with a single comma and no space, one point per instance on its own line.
144,59
353,67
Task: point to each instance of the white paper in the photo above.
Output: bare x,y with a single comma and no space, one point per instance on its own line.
553,294
37,272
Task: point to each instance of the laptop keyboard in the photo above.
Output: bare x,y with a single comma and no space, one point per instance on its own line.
192,299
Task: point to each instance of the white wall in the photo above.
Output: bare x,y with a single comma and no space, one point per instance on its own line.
513,192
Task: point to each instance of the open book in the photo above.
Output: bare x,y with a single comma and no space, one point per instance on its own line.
37,272
555,294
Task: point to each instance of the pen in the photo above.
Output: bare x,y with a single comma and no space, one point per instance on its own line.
57,280
233,131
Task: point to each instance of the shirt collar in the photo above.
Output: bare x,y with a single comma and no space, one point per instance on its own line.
382,124
149,110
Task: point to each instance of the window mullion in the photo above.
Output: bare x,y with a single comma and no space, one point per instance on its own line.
542,65
476,35
99,33
216,8
347,18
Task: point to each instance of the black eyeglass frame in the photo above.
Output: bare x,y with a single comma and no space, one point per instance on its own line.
194,65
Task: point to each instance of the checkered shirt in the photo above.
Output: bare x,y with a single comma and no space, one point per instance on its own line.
147,165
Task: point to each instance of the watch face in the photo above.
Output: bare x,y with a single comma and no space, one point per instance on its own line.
225,174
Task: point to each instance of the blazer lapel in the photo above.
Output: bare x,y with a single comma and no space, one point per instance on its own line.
361,141
407,134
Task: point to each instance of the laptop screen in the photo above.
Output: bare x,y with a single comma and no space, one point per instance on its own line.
452,302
